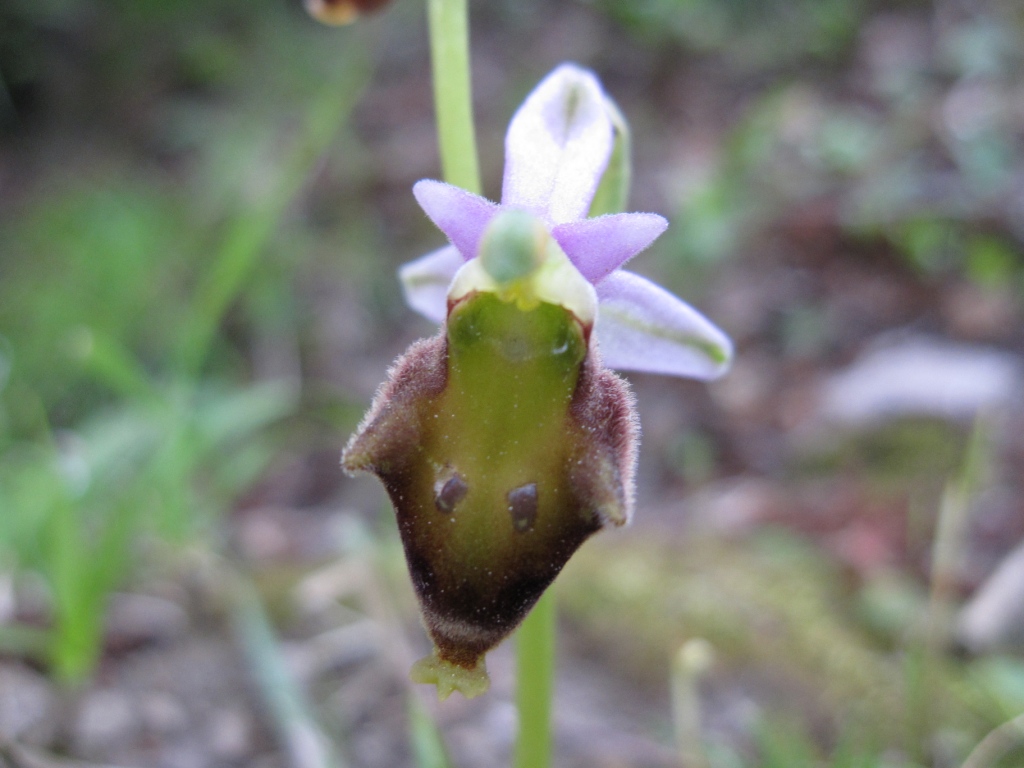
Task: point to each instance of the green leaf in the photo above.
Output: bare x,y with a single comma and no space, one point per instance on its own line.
290,709
427,743
613,192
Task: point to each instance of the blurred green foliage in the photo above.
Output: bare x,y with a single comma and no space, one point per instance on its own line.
110,255
917,149
786,629
125,414
747,32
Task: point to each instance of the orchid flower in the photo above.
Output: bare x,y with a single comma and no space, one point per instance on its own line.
556,150
504,442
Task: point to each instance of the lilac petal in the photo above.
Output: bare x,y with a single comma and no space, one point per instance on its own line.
425,281
643,327
600,246
461,215
557,146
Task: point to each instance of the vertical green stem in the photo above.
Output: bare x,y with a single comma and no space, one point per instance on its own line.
453,101
449,50
536,662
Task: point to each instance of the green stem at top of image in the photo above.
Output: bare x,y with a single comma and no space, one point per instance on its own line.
453,101
449,46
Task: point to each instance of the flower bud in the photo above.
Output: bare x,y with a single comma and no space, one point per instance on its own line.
520,262
513,247
341,12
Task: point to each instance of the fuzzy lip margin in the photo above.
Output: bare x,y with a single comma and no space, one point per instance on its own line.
468,613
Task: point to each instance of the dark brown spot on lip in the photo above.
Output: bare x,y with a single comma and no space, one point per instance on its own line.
452,492
522,506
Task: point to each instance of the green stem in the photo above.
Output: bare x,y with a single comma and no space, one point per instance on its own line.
453,101
449,51
287,704
536,661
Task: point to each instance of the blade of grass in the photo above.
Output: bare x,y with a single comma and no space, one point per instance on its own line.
999,742
692,662
949,535
305,742
427,744
83,567
924,688
253,227
114,365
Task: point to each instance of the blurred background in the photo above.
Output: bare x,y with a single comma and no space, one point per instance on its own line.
202,207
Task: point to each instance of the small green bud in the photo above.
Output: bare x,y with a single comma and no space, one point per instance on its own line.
522,264
514,245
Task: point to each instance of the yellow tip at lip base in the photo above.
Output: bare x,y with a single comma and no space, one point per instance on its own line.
449,677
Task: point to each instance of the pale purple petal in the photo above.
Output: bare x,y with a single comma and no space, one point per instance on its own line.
461,215
597,247
425,281
557,146
643,327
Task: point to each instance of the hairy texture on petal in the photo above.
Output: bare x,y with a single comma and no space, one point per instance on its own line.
461,215
603,408
426,280
557,146
597,247
642,327
381,444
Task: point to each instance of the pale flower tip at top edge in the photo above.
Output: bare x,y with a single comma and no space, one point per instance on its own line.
557,146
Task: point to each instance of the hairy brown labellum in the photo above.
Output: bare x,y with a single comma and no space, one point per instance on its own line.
503,446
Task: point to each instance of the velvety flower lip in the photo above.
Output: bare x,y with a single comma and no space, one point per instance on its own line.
557,148
504,441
